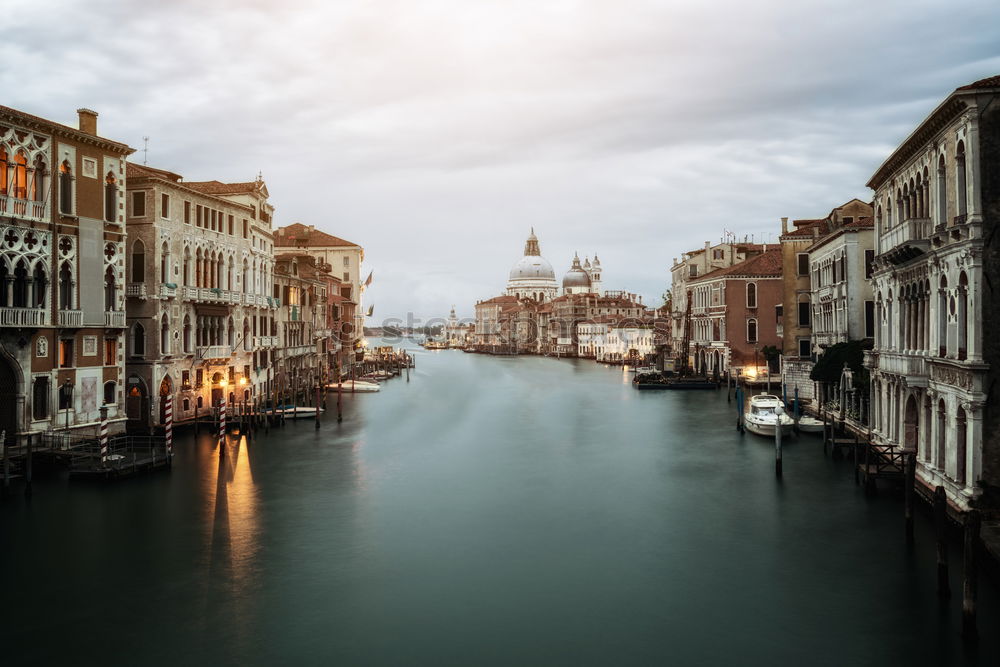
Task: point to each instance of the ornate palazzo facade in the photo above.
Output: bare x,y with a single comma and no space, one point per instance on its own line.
931,365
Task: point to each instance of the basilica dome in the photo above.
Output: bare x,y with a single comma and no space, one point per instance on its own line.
531,267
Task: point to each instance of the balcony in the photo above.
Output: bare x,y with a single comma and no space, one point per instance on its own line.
168,290
24,317
71,318
25,209
114,319
215,352
137,290
209,295
265,341
914,231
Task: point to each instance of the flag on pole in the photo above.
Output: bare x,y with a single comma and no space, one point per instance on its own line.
371,309
368,280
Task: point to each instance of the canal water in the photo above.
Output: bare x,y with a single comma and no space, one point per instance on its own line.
491,511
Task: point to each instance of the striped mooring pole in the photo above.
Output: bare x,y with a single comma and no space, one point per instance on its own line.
168,425
222,426
104,434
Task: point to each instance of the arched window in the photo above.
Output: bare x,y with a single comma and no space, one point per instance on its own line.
961,442
138,262
40,286
230,334
21,175
21,285
4,175
198,265
38,180
187,333
943,317
186,274
888,211
752,330
138,340
165,263
942,434
751,295
962,315
110,197
109,393
960,188
942,193
246,277
65,188
110,290
229,274
66,287
165,336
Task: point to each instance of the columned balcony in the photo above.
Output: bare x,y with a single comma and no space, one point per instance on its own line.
24,317
168,290
137,290
910,231
215,352
71,318
25,209
114,319
912,367
265,341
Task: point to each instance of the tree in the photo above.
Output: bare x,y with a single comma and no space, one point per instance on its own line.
668,301
831,364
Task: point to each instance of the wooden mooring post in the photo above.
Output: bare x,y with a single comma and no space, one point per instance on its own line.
6,464
777,442
28,463
941,528
318,407
970,583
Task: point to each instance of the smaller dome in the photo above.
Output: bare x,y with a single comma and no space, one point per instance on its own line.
576,276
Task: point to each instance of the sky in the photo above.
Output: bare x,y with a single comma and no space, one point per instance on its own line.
436,133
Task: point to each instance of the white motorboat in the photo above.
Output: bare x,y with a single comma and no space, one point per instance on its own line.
298,412
763,416
355,386
809,424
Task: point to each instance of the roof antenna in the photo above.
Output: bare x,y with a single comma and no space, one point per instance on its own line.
145,149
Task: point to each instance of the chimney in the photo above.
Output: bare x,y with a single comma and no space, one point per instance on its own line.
784,225
311,228
88,121
281,231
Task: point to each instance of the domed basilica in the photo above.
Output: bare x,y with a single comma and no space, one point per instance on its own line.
532,276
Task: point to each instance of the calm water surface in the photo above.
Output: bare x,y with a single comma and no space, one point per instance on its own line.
490,511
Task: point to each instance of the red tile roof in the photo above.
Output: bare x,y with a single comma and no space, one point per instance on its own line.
988,82
142,171
301,235
861,223
766,264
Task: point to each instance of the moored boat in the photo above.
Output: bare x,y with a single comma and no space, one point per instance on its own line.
809,424
297,412
767,413
355,386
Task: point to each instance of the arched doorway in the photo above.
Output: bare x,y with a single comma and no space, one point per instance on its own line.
910,425
8,401
137,403
218,391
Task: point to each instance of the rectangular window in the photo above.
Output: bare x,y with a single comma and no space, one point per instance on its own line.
803,260
164,206
347,262
110,351
138,204
199,378
40,399
717,254
186,379
246,228
693,271
66,353
848,219
869,319
869,263
187,213
804,313
805,347
230,225
198,216
347,276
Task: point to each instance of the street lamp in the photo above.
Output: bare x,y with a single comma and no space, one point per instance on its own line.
68,386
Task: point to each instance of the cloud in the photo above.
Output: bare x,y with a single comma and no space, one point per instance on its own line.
436,132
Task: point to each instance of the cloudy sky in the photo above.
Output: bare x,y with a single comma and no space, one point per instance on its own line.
435,133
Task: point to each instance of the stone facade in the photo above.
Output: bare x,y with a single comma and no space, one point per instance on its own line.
200,275
932,365
63,267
